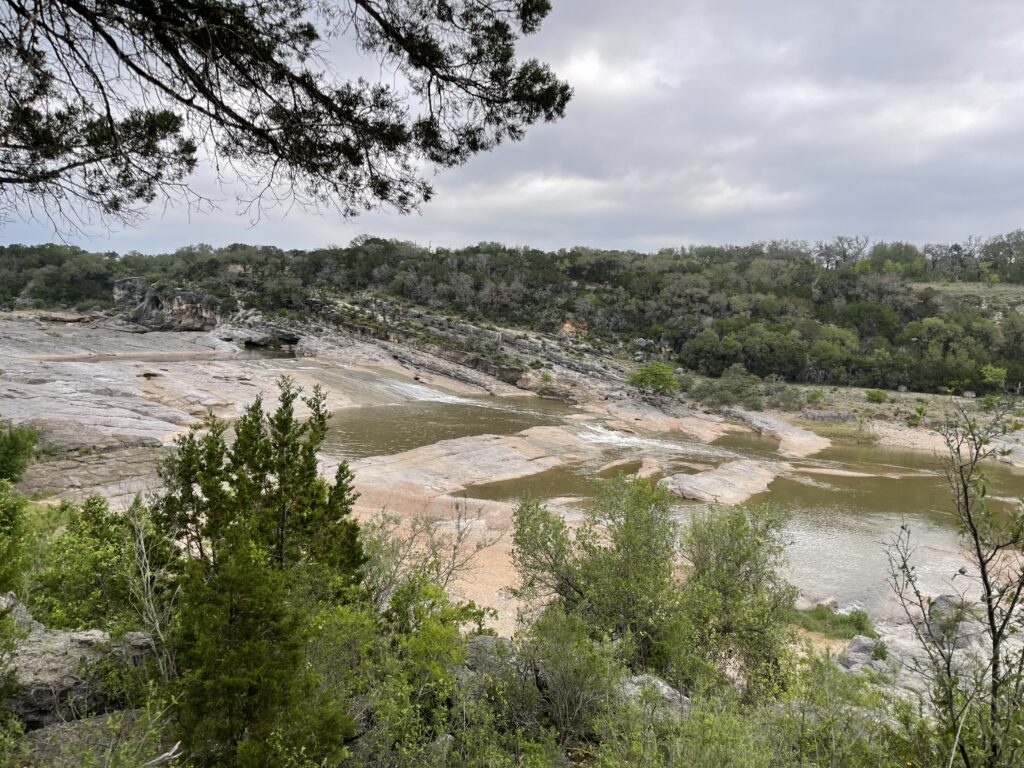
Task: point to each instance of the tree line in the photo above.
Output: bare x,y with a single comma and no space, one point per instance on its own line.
839,312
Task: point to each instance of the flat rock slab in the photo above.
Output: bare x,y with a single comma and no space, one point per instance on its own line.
794,442
632,415
450,466
117,475
731,483
1013,444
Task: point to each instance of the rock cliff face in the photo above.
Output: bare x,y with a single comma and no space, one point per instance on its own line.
157,309
55,672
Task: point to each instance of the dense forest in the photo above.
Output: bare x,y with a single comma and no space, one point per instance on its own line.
841,312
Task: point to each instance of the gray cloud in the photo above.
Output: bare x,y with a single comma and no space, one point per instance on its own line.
722,121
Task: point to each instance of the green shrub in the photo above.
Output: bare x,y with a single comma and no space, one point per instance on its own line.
83,577
616,569
880,652
12,536
16,447
734,595
815,396
579,674
734,387
826,621
783,396
877,396
656,376
915,419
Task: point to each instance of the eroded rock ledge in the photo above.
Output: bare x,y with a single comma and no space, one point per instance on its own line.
56,673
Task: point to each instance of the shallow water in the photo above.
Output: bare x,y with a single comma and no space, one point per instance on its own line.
399,415
838,525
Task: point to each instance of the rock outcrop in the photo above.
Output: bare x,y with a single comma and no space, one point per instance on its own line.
56,673
164,310
451,466
867,654
951,623
635,687
794,442
730,483
1012,447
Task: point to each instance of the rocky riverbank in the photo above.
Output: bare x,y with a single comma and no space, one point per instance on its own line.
109,395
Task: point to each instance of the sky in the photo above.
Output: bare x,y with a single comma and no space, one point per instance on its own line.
714,122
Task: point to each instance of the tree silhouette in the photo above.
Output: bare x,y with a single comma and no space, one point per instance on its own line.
108,105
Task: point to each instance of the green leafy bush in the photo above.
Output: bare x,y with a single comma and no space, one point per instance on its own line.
656,376
736,597
579,674
616,569
12,537
831,623
17,444
877,396
734,387
82,581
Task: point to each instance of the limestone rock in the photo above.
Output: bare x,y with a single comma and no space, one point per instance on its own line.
860,655
950,621
55,671
162,310
831,602
632,689
61,745
730,483
56,436
129,292
827,415
794,441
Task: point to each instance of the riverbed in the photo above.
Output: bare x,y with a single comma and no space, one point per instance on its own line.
844,504
111,403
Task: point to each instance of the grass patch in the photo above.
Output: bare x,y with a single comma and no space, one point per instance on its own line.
839,626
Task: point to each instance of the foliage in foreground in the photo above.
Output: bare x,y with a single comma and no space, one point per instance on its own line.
977,695
17,444
618,572
287,638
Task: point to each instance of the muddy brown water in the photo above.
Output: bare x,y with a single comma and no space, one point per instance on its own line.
838,526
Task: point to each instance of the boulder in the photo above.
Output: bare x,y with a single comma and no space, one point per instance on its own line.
633,688
56,672
860,646
861,653
129,292
732,482
56,437
63,744
950,621
170,310
794,441
802,603
827,415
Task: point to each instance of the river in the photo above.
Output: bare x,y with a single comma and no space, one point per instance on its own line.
838,525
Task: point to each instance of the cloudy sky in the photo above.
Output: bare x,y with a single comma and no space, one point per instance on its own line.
719,122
